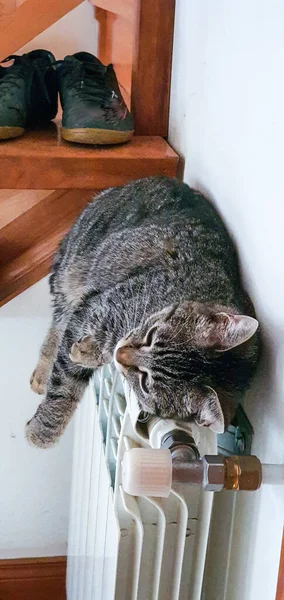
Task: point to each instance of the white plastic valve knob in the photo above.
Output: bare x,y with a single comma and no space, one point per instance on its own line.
147,472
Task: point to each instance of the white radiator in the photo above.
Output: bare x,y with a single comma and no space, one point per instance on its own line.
121,547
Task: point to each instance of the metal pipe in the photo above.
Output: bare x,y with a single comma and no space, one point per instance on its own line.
153,472
273,474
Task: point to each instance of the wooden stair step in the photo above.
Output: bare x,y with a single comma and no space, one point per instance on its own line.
42,160
28,268
14,203
55,211
28,243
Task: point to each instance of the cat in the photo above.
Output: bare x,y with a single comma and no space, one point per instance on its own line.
148,277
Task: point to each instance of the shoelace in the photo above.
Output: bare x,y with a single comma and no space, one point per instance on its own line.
90,81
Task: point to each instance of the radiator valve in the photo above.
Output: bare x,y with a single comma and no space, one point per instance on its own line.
154,472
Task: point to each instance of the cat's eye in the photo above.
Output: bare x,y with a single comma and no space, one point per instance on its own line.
150,336
144,381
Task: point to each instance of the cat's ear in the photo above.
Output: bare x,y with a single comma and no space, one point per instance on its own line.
226,331
210,413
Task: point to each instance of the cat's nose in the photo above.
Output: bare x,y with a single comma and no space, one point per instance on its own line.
125,356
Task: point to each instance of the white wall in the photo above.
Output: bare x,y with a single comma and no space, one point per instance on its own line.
35,484
76,31
227,120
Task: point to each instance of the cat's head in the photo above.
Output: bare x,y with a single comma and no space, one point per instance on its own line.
179,355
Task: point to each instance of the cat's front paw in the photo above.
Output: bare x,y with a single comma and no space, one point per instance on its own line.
83,352
38,380
37,436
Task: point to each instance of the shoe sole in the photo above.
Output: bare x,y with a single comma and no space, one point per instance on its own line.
11,132
89,135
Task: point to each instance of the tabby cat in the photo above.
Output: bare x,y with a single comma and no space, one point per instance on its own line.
147,277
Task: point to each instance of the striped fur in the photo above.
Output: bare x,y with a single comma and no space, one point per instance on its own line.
151,255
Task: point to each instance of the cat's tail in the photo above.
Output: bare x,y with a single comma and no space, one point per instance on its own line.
65,389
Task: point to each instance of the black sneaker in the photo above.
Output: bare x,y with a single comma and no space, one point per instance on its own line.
28,92
94,111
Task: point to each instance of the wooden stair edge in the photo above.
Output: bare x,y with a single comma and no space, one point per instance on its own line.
55,211
15,203
39,160
28,268
27,250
